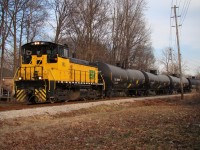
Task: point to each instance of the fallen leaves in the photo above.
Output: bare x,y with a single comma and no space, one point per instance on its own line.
154,124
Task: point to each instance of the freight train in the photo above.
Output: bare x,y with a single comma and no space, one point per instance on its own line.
48,74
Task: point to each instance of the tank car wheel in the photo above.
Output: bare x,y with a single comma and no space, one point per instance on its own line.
110,93
147,93
102,97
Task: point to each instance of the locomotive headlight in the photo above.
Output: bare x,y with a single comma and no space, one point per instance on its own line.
20,78
40,78
37,43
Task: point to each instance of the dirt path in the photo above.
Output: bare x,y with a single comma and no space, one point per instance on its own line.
152,124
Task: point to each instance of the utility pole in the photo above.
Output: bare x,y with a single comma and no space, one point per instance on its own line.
2,52
179,54
171,59
1,73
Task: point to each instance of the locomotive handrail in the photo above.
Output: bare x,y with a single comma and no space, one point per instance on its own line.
104,85
32,75
74,75
16,73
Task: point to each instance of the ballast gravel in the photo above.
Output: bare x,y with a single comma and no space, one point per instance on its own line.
52,110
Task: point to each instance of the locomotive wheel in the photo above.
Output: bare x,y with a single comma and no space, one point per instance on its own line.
31,100
74,94
52,100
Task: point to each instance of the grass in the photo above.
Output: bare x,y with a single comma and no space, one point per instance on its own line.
154,124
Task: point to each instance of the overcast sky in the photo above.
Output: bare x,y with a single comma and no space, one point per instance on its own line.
158,17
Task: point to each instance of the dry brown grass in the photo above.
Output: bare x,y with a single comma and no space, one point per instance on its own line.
154,124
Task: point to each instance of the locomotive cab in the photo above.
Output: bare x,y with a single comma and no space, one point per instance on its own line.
39,49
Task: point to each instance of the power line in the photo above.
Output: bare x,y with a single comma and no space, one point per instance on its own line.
186,10
183,8
179,4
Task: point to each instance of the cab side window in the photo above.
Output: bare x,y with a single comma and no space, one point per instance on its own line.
52,56
26,58
66,52
39,53
63,51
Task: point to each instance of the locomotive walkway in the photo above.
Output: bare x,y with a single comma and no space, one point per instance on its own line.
52,110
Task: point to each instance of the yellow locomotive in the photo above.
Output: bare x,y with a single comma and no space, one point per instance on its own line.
47,73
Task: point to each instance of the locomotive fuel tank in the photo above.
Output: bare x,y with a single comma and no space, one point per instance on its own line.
136,79
114,77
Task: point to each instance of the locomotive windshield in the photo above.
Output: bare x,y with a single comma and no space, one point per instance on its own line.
52,51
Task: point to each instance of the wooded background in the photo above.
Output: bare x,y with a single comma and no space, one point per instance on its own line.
111,31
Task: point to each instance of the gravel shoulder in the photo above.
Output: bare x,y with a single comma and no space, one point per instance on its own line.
52,110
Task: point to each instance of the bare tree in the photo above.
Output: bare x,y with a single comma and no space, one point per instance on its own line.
129,32
87,27
198,73
169,60
34,18
60,15
14,9
94,31
26,17
143,58
5,26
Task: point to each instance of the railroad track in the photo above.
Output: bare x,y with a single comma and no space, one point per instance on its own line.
21,110
6,106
